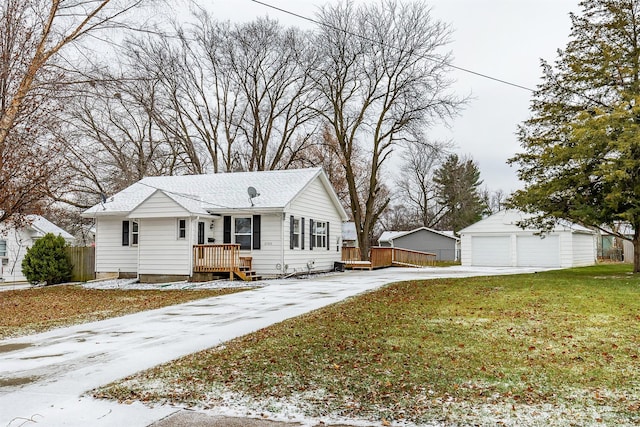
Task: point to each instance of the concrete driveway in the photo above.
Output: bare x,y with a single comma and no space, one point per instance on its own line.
43,377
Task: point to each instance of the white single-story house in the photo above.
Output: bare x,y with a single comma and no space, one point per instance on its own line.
441,243
499,242
244,224
14,243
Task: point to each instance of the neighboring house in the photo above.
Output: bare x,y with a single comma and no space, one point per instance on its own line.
190,227
349,235
443,244
498,241
14,243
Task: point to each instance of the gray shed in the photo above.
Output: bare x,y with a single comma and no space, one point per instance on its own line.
443,244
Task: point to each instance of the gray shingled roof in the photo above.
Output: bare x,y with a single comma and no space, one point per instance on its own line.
200,194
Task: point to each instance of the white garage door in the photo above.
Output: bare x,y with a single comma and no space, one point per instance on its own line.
493,251
536,252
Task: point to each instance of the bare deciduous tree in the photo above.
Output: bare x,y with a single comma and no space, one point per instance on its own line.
33,36
271,67
416,185
112,140
383,79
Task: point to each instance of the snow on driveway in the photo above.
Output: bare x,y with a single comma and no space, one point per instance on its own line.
43,376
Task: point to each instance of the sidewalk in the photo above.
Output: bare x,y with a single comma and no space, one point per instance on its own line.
43,376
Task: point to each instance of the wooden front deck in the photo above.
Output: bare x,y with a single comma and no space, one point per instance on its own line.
223,259
380,257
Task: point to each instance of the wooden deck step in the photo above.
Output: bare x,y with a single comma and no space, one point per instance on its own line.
248,275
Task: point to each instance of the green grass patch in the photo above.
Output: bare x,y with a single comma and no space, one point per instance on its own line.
566,342
34,310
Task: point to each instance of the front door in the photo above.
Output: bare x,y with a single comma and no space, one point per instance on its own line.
201,233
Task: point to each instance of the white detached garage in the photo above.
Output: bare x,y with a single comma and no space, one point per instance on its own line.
497,241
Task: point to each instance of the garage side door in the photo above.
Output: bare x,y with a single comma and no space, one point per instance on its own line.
491,251
536,252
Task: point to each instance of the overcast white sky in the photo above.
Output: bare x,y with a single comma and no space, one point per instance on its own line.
501,38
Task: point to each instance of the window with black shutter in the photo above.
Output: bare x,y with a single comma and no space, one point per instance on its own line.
291,242
226,237
256,231
125,233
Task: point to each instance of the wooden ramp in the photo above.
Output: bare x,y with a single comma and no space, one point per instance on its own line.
381,257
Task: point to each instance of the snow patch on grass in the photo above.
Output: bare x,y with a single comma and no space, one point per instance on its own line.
134,284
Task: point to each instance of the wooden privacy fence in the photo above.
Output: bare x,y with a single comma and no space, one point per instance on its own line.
83,259
380,257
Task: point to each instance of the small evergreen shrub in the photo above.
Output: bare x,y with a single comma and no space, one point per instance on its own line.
47,261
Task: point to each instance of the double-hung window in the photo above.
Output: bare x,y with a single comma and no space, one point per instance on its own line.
130,233
296,233
182,229
3,248
319,234
134,233
243,232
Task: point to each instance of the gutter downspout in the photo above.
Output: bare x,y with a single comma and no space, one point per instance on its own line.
284,216
190,244
138,248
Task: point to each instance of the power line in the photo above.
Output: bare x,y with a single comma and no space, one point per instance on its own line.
431,58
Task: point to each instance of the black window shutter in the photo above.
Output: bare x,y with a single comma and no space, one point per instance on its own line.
311,234
291,232
226,233
125,233
328,240
256,232
201,233
302,234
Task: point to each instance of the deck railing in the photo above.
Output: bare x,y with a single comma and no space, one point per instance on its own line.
386,257
409,257
350,254
217,258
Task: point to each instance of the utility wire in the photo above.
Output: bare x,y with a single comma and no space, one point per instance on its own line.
431,58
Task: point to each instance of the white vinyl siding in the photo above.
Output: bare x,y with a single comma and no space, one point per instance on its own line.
266,259
111,256
534,251
158,205
491,251
584,249
159,250
313,203
568,245
17,242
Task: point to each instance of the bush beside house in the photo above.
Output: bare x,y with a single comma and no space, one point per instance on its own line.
47,261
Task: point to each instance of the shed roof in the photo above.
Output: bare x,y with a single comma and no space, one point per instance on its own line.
202,194
388,236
